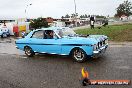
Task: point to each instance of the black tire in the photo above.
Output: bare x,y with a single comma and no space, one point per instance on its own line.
79,55
28,51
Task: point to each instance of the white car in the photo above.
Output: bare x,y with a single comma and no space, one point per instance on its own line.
4,32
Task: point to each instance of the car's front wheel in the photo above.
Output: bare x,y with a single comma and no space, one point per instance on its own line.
28,51
79,55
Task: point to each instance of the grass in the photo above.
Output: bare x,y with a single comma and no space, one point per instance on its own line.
122,32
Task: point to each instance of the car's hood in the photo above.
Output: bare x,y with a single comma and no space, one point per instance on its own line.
80,40
91,39
98,37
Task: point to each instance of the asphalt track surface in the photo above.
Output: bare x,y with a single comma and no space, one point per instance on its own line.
53,71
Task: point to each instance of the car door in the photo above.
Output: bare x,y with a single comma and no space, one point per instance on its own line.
41,44
52,42
36,40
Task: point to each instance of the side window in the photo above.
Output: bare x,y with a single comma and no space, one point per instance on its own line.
49,34
38,34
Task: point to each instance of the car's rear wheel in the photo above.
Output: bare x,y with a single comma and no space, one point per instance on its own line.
28,51
79,55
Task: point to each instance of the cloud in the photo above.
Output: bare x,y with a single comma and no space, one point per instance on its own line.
56,8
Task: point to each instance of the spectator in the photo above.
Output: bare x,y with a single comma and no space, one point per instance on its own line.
92,22
50,35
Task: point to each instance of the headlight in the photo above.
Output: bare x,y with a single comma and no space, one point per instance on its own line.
106,41
95,47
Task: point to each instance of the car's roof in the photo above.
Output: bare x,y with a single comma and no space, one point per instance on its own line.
52,28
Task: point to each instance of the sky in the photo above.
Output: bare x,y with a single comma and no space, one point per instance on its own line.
56,8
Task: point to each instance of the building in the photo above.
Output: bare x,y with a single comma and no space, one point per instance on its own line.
16,26
49,20
6,20
124,18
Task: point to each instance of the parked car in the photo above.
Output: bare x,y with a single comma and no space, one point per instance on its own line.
62,41
4,32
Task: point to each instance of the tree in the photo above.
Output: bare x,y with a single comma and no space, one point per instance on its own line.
38,23
85,16
98,16
62,17
124,9
73,15
67,16
81,16
88,15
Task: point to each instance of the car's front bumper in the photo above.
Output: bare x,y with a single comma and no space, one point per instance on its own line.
100,51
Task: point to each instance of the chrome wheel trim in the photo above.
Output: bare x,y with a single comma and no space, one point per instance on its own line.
28,51
79,54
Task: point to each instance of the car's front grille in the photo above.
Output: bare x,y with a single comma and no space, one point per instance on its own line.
98,45
101,44
104,42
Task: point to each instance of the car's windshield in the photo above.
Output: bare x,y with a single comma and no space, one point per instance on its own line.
66,32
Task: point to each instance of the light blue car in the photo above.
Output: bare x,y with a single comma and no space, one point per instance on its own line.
62,41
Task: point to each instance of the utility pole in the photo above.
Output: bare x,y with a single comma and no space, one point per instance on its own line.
26,9
75,13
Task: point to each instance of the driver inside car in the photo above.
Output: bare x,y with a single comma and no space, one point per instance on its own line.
50,35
